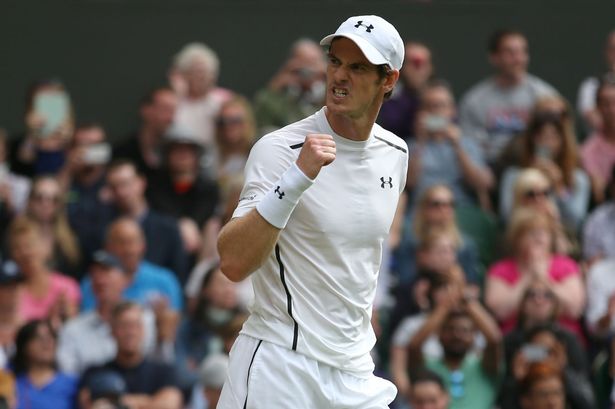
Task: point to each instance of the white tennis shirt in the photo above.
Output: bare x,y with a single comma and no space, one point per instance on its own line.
314,293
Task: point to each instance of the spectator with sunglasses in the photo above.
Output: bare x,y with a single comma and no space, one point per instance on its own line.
43,294
439,140
548,144
598,150
398,114
531,242
532,190
46,208
540,307
435,208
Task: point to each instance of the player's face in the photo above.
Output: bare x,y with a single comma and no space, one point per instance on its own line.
354,88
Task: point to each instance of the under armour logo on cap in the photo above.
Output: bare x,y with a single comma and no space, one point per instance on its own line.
378,40
367,28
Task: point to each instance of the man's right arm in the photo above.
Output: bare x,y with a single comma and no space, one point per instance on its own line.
245,242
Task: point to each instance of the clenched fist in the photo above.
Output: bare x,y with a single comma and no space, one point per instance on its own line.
318,150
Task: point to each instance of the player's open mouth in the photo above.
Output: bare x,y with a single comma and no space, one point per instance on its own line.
340,92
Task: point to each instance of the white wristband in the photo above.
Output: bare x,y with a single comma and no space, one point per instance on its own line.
277,205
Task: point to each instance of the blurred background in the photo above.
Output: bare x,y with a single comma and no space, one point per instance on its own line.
109,52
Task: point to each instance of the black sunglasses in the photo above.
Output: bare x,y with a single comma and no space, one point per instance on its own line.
535,194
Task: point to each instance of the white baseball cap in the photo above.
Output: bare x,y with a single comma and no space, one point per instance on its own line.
377,38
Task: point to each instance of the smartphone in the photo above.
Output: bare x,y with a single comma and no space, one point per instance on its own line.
534,352
435,123
97,154
54,107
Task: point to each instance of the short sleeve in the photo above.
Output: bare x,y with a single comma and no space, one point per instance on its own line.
269,159
504,270
68,287
562,268
173,290
404,332
88,302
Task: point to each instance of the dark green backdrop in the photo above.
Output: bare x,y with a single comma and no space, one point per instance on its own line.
109,51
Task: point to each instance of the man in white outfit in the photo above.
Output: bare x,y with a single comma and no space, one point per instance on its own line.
317,205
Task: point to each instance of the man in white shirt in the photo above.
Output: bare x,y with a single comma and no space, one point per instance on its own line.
86,340
318,202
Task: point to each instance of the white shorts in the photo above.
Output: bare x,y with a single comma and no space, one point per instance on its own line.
263,375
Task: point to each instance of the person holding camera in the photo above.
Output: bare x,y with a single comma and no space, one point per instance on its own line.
295,91
49,123
83,178
543,344
438,141
471,380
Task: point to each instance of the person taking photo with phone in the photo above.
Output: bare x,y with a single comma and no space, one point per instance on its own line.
49,121
438,140
83,177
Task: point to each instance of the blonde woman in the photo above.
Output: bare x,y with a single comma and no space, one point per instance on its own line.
533,190
532,257
44,293
46,208
435,208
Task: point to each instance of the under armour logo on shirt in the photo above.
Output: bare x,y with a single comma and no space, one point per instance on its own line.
389,182
367,28
280,193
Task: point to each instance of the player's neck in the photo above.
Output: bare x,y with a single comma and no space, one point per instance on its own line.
356,129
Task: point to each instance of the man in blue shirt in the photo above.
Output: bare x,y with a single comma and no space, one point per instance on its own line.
149,284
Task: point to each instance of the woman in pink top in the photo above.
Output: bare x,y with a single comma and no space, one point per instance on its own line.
43,294
530,235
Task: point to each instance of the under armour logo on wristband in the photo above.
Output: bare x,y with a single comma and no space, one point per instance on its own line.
389,182
279,192
367,28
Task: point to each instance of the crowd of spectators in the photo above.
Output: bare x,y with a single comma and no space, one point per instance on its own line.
497,289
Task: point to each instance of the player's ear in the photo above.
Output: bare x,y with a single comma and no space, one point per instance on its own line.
390,80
